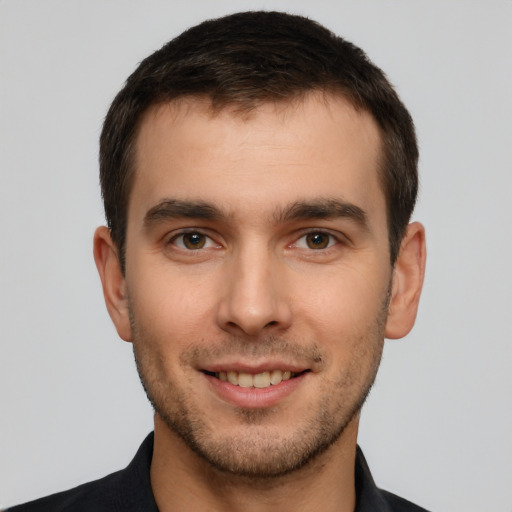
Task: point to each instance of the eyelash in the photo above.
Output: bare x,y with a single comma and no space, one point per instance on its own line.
209,243
333,240
207,240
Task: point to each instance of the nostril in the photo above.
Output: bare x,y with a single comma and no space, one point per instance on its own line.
270,324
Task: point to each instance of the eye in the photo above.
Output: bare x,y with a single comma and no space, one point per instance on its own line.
193,241
316,240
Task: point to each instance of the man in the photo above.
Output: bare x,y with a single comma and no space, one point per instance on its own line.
258,176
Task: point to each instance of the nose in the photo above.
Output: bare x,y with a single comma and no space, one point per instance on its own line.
254,299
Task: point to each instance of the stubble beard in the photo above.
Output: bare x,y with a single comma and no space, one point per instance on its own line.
260,452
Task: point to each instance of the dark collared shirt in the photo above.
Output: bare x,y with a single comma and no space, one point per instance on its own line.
129,490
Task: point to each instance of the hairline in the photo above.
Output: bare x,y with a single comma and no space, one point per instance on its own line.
244,109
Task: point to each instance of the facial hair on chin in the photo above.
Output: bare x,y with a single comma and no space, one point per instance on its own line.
259,452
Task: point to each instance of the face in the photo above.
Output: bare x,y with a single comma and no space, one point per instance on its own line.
257,277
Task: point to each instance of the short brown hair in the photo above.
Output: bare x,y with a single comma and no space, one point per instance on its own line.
243,60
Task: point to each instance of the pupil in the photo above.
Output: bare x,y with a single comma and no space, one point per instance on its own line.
317,240
194,240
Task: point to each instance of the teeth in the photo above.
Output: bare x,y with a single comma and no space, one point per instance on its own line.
260,380
245,380
276,376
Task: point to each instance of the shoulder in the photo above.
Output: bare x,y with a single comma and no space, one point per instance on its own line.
398,504
128,490
371,498
99,496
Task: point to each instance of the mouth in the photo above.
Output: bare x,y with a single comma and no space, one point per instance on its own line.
259,380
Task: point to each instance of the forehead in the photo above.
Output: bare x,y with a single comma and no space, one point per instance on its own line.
276,153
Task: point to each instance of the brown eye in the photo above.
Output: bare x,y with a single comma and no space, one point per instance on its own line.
318,240
191,241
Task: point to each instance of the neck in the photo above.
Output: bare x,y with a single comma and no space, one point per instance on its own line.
182,480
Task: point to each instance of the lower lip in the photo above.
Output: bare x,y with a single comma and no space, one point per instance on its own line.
254,398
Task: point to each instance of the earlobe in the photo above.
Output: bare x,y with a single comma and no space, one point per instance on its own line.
112,281
407,282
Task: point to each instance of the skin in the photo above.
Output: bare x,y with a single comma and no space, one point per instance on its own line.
258,241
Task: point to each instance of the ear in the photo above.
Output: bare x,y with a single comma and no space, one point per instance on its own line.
112,281
407,282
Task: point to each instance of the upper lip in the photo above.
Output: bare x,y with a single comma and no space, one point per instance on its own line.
254,368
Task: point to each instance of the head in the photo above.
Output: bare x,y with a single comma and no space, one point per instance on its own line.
245,60
258,175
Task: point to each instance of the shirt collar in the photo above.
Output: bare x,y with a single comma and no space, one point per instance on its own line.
137,478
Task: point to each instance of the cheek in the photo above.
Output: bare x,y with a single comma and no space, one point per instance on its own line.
170,308
346,315
347,297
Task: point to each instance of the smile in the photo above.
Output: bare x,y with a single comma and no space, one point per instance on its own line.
259,380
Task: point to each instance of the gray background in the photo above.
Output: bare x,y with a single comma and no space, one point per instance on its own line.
438,426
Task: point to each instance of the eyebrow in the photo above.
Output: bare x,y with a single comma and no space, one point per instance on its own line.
299,210
178,209
323,209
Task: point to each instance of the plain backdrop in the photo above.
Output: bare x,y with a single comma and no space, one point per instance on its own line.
438,426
